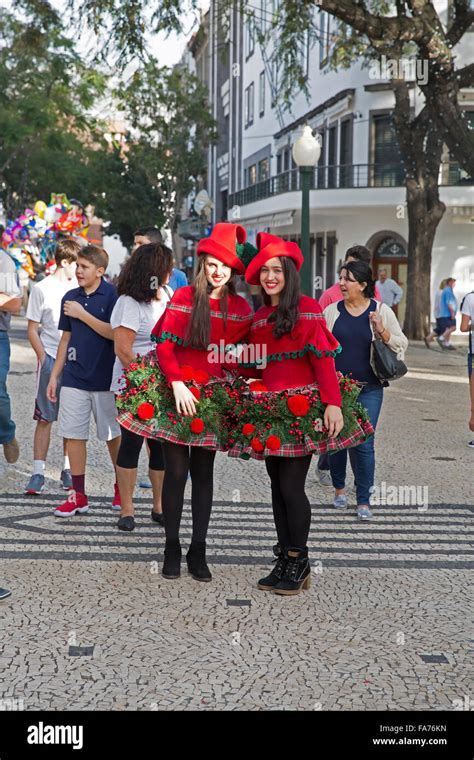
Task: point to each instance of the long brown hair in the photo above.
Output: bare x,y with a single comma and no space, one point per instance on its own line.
199,328
286,314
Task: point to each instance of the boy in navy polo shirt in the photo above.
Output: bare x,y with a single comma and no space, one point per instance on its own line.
86,358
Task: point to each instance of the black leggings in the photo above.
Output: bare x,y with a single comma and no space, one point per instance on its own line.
291,508
129,452
200,463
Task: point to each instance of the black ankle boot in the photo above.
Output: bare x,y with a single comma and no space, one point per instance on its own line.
172,565
270,581
196,559
297,571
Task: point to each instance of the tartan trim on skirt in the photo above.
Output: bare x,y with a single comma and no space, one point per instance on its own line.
308,446
207,441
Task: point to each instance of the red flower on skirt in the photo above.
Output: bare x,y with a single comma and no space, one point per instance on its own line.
248,429
273,442
197,425
257,445
298,405
146,411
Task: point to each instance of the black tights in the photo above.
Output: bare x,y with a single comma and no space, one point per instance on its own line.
291,508
129,452
200,463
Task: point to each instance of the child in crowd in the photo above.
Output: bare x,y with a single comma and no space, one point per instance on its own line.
43,314
86,353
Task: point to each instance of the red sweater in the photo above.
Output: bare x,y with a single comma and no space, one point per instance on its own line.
304,356
171,329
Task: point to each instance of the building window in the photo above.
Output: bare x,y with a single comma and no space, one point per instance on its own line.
304,55
250,33
275,73
323,34
263,169
263,16
261,94
249,102
345,153
387,170
253,174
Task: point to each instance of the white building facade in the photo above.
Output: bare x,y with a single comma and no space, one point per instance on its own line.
359,193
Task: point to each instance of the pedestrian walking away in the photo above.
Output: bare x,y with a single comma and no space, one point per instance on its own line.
437,331
447,315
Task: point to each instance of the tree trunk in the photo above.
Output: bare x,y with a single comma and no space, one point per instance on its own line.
424,215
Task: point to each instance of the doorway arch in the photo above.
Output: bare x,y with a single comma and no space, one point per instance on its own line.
389,251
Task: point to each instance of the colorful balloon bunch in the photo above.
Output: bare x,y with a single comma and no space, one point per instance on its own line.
31,238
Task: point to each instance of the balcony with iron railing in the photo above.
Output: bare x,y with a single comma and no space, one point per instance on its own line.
341,176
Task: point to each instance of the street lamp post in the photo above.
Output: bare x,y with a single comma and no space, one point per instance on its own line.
306,153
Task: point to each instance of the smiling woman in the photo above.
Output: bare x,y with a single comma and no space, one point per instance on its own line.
198,317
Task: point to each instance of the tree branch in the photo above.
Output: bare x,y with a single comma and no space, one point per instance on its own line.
383,28
465,76
463,19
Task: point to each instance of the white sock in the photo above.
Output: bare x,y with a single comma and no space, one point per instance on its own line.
66,465
38,466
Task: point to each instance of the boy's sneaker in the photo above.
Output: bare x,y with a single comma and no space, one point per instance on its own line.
340,502
116,502
4,593
364,513
471,444
324,477
35,485
76,503
66,480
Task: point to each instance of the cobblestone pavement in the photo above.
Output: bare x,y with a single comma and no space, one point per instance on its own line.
386,624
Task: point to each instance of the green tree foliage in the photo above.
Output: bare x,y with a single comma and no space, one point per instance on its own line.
47,136
166,147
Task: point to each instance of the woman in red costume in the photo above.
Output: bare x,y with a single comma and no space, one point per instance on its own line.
299,352
198,318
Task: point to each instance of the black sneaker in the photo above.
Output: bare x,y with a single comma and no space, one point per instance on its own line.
158,517
126,523
4,593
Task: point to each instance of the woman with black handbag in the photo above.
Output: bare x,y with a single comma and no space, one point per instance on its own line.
356,322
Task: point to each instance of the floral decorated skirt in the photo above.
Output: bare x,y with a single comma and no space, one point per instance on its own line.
290,423
147,406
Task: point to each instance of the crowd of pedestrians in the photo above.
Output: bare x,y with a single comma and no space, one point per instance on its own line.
85,331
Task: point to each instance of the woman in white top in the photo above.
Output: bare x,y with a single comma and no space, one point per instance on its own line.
143,295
